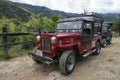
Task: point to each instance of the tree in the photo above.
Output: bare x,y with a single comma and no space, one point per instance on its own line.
116,26
55,18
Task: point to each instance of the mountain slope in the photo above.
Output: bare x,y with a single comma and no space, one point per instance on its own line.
9,10
46,11
110,16
23,11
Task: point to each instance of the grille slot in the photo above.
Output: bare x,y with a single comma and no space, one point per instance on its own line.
45,44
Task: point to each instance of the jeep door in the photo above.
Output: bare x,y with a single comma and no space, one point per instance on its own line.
87,35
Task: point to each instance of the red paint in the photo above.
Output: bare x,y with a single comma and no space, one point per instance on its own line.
68,41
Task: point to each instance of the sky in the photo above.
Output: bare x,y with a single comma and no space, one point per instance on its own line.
77,6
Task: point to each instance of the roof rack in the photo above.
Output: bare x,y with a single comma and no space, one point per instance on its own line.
91,14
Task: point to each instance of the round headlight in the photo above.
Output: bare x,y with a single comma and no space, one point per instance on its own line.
53,40
38,38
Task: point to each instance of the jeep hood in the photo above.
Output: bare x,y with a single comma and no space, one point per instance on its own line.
60,35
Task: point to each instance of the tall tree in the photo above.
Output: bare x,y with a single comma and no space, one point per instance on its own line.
116,26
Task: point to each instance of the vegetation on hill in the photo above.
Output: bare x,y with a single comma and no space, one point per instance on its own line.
36,21
116,26
18,20
9,10
45,11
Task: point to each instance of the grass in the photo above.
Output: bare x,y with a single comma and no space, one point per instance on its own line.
114,34
15,51
110,60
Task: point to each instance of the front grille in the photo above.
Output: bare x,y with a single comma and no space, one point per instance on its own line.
46,44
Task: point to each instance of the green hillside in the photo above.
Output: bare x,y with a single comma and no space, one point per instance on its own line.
9,10
49,12
45,11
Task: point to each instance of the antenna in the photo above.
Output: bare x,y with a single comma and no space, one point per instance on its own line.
85,11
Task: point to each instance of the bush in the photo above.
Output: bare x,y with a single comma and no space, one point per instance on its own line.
16,26
115,34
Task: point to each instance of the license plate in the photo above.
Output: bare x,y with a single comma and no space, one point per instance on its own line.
39,53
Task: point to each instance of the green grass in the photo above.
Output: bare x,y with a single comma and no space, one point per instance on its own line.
14,52
115,34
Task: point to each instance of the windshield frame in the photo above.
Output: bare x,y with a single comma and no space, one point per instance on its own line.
105,28
56,30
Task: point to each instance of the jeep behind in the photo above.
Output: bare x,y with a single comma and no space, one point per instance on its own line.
106,33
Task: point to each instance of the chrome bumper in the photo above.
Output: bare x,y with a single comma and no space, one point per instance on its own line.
43,59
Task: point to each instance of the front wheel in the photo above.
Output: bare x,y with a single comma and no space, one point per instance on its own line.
67,62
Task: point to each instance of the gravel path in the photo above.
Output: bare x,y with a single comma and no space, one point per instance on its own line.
106,66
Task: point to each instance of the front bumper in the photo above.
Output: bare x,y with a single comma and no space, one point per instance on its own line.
43,59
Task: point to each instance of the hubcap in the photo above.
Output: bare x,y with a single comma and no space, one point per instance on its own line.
70,62
105,44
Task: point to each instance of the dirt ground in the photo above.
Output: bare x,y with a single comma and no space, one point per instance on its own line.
106,66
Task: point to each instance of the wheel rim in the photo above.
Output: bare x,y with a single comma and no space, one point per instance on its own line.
70,62
105,45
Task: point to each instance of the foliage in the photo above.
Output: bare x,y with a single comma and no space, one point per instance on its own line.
55,18
16,26
46,11
115,34
116,26
9,10
15,51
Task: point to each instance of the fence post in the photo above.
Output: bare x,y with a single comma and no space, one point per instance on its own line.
119,31
39,30
4,31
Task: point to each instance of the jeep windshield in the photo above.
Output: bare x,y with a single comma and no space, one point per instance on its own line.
104,28
74,26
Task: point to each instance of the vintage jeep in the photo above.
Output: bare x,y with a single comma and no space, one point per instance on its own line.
73,38
106,33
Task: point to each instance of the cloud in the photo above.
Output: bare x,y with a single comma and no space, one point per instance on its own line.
77,6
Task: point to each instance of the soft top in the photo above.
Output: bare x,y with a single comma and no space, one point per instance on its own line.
85,17
108,24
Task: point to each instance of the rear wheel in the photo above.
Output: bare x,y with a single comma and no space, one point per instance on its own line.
104,43
110,40
67,62
98,48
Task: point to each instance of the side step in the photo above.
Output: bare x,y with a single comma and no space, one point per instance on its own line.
89,52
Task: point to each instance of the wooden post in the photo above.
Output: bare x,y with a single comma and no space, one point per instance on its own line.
39,30
4,31
119,31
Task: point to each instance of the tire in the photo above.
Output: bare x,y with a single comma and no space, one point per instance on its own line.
104,43
110,40
67,62
34,51
98,48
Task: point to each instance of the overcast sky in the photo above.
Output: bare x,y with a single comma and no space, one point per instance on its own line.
77,6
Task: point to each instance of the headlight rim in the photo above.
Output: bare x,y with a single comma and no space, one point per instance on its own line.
53,40
38,38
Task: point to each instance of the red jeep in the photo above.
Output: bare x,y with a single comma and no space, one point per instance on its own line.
73,37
